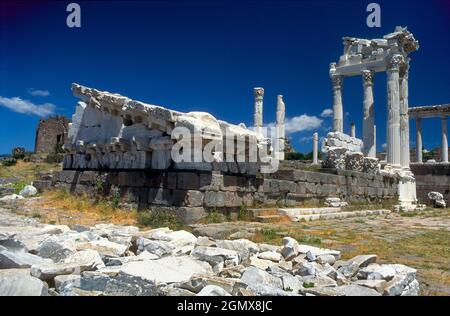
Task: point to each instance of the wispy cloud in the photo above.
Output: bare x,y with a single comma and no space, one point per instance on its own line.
18,105
327,113
38,93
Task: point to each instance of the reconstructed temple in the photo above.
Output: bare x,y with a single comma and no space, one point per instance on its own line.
365,58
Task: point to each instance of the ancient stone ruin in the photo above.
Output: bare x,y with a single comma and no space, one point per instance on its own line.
364,57
51,133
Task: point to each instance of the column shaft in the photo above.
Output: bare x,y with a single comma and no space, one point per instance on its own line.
404,119
393,104
368,120
444,140
338,112
258,93
315,149
419,139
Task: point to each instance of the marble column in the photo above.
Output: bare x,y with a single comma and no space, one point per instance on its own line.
315,149
258,93
393,107
444,140
353,130
280,128
404,117
338,112
368,120
419,139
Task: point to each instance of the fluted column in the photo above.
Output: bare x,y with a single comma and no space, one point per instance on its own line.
258,93
404,117
338,112
393,105
315,149
353,130
444,140
280,128
419,139
368,120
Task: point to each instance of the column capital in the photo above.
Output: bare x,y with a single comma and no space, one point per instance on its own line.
258,92
368,77
394,62
337,80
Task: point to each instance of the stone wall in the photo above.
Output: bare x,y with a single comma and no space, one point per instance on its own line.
432,177
223,191
50,133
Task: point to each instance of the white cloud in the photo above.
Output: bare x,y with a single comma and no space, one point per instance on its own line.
300,123
38,93
327,113
384,146
18,105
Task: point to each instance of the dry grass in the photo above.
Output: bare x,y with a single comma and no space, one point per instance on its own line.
60,207
425,248
27,171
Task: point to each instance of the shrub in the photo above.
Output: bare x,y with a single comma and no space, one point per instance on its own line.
9,162
18,186
214,217
157,218
54,158
294,156
244,214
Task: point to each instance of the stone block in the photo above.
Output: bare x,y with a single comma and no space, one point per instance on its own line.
190,215
313,177
293,199
311,188
229,183
193,198
287,186
211,181
87,177
301,188
232,199
159,196
171,180
188,181
214,199
40,185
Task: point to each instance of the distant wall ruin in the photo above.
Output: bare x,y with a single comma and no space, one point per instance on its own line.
50,133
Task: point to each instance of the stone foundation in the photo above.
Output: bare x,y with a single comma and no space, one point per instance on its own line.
199,191
432,177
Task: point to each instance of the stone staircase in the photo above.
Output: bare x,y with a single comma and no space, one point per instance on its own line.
274,215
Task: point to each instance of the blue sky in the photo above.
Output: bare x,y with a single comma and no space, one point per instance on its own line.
208,56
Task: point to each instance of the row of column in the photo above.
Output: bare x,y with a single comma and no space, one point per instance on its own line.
444,152
397,107
280,132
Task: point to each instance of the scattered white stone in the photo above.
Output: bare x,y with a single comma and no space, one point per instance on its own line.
438,199
10,260
22,285
270,255
28,191
104,247
213,290
254,276
11,197
290,248
262,264
167,269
